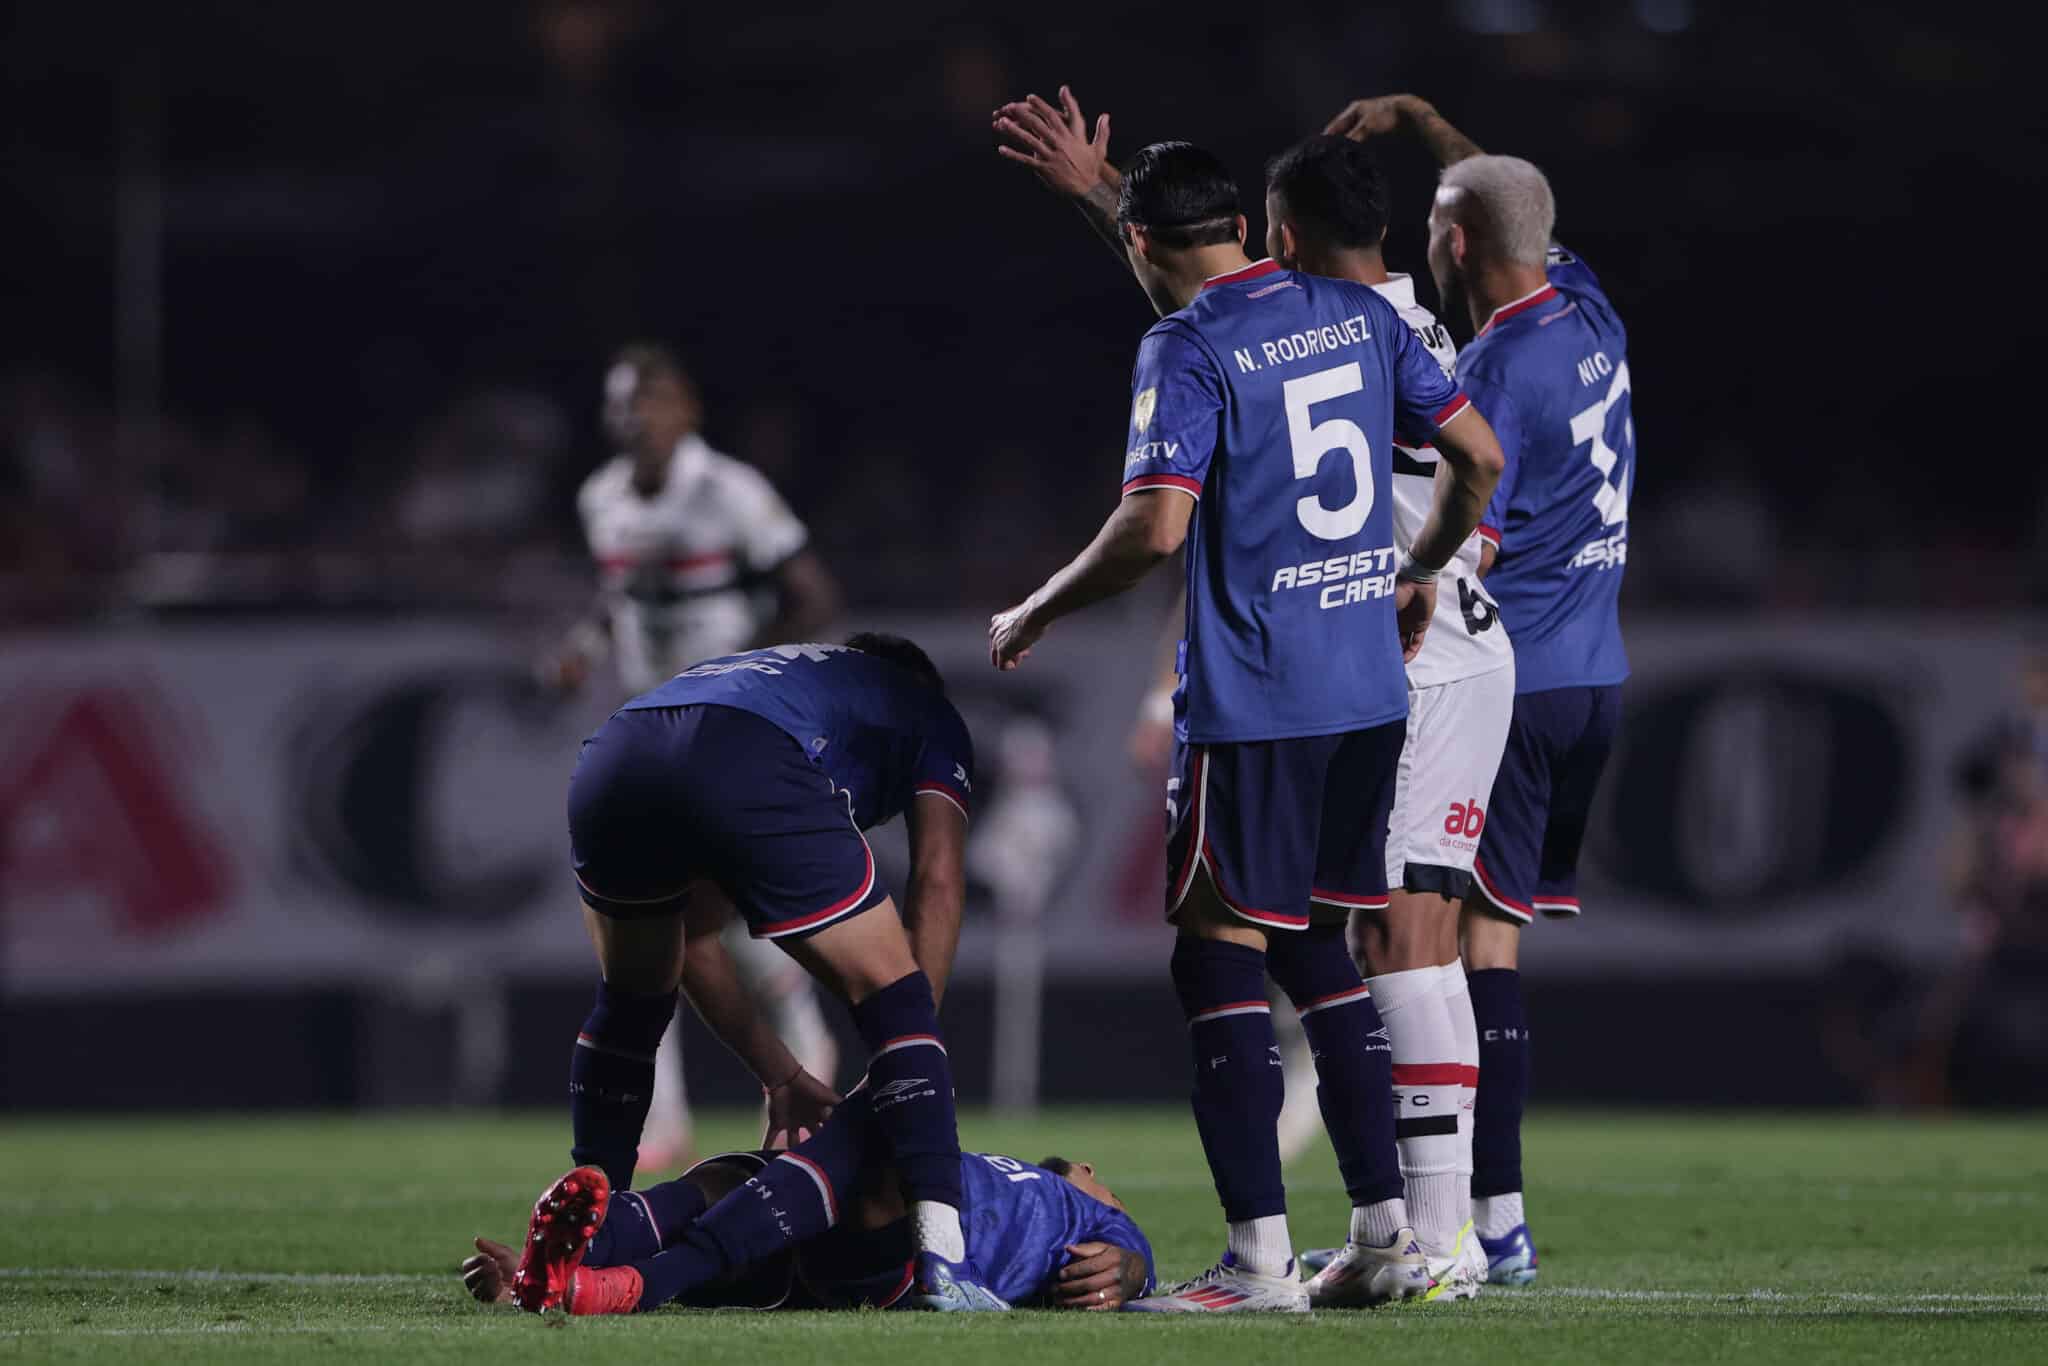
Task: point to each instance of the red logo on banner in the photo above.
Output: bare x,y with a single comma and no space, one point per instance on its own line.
89,803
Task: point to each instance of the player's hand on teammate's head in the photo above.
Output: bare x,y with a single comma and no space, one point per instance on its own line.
797,1109
1414,605
1011,635
488,1274
1093,1277
1369,118
1055,143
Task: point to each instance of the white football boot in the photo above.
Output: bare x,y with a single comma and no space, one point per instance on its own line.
1362,1277
1460,1275
1227,1288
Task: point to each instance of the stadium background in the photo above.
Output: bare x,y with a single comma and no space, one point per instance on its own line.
307,309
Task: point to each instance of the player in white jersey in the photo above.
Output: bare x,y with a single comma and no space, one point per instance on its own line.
1327,214
697,556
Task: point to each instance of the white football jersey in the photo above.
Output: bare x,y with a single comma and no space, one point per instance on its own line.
1465,637
680,569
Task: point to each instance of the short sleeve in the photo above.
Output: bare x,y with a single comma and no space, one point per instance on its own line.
1501,414
1425,398
945,767
768,532
1176,414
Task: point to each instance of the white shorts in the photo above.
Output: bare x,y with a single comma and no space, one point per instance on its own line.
1456,732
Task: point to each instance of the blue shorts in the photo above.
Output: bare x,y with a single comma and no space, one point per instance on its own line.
670,796
1542,798
1281,824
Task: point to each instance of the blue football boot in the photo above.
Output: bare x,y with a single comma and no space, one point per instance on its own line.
951,1287
1510,1258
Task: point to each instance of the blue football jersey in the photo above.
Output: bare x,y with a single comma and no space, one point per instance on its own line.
1020,1220
879,732
1551,374
1273,399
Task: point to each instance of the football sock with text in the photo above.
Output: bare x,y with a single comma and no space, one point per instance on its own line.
1237,1093
1427,1085
910,1085
1465,1037
1354,1071
611,1078
1502,1022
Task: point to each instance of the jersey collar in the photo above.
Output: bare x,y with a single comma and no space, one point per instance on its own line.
1243,273
1521,305
1397,289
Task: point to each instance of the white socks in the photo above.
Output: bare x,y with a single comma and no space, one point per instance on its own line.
1465,1033
937,1230
1427,1094
1378,1225
1496,1216
1261,1246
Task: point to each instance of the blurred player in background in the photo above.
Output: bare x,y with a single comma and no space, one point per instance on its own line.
1549,367
697,556
1293,704
1327,213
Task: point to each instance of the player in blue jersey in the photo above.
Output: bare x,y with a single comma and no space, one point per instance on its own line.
822,1226
743,784
1262,424
1549,367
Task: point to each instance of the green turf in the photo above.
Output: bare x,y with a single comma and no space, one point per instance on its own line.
1745,1239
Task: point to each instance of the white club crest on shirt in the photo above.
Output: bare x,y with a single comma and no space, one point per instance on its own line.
1141,409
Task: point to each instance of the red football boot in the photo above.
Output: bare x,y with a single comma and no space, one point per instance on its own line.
604,1290
565,1218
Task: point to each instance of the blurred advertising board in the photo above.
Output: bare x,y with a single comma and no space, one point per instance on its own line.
249,804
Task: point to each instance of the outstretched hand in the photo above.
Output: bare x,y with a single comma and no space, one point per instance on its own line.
488,1274
1369,118
1011,635
797,1109
1055,143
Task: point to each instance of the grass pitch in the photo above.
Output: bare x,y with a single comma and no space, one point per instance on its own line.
1664,1238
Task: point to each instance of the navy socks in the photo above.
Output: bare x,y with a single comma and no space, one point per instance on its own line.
1238,1088
910,1088
611,1079
1503,1024
1354,1061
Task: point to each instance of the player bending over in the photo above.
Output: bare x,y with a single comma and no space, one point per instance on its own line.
1264,410
1550,367
749,780
697,556
821,1226
1327,214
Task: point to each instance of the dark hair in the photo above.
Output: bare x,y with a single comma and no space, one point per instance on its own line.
1180,194
1058,1166
898,650
1331,188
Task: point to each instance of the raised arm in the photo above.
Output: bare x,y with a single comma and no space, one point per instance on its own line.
1362,120
1057,146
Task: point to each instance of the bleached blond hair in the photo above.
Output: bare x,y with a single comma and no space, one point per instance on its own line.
1513,199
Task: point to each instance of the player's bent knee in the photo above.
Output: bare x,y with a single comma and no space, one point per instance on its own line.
1409,933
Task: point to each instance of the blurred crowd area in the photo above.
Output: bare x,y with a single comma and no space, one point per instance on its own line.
310,304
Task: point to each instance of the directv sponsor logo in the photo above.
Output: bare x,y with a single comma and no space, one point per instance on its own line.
1150,450
1361,576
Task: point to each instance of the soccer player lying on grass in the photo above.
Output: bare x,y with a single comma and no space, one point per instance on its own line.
821,1226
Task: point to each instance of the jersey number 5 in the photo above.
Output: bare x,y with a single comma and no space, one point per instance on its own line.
1313,440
